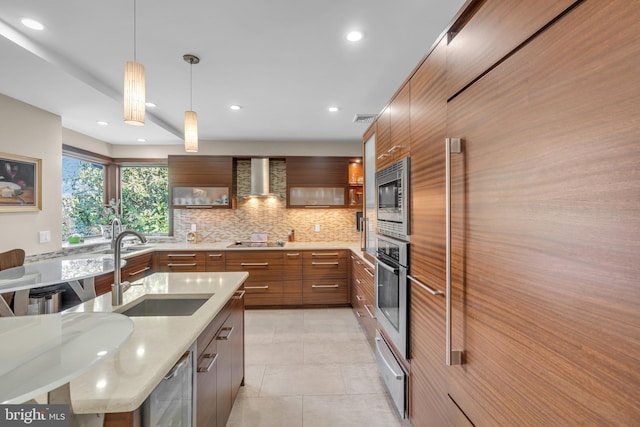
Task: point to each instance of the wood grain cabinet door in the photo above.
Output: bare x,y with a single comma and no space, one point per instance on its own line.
181,261
546,228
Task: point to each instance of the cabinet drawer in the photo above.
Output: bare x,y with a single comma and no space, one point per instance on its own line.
325,291
215,261
137,267
325,264
263,293
181,261
261,265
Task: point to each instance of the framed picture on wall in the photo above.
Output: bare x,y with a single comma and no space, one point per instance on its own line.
20,183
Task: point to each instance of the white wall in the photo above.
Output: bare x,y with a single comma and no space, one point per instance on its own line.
29,131
79,140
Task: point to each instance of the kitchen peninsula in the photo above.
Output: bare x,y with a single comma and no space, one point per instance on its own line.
120,385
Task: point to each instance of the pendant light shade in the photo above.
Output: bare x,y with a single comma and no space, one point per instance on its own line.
191,131
191,117
134,93
134,86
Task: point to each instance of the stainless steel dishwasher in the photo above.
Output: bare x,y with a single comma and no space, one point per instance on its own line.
171,404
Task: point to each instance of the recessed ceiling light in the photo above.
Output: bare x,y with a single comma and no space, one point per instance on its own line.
235,107
333,109
354,36
32,23
102,123
141,140
150,104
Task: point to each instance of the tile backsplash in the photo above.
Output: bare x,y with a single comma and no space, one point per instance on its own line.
268,215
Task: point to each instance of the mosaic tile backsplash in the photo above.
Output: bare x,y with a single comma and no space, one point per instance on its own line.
266,215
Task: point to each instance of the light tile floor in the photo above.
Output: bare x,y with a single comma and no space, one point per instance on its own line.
311,368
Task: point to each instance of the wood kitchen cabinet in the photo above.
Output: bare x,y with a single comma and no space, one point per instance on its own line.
546,226
198,182
215,261
292,278
362,296
264,287
393,137
325,275
181,261
220,366
318,182
135,268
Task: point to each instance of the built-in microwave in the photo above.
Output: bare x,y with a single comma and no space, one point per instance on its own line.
393,200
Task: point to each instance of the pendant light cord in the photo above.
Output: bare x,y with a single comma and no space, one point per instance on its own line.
191,85
134,31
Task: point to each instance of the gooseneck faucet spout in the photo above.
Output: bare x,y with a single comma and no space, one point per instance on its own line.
118,288
116,228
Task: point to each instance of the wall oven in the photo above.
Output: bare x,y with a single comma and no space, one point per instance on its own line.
392,183
391,292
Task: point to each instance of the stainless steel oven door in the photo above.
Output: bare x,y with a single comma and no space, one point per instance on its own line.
391,302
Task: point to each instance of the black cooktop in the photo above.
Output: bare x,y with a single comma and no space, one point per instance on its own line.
241,244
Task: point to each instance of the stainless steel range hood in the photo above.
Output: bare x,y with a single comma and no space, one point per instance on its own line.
260,178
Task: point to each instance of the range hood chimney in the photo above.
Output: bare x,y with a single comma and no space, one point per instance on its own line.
260,178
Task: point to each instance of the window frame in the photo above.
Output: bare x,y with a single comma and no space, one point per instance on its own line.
112,172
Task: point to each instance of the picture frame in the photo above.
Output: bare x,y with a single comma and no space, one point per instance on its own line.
20,183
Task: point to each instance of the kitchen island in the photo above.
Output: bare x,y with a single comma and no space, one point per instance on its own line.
123,382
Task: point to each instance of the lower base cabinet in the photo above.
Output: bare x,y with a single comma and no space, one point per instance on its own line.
219,370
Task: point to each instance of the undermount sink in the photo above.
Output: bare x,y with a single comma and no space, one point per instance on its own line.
179,306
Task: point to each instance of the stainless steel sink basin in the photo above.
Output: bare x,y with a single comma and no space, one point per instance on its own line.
166,306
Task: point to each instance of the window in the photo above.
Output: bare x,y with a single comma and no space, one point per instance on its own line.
82,197
144,198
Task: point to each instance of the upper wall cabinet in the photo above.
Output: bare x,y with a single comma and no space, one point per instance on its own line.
393,134
320,182
484,35
200,181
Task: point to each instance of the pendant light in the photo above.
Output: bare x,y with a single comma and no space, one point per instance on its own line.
191,117
134,86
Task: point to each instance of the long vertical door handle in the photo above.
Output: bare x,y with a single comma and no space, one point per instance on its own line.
453,357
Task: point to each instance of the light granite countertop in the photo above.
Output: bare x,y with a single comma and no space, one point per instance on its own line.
122,382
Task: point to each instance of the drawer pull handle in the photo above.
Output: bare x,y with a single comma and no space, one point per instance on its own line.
181,255
215,255
359,298
293,254
325,263
139,271
371,315
199,206
254,264
325,254
239,295
425,287
228,330
358,314
359,282
191,264
317,206
369,272
325,286
257,287
213,358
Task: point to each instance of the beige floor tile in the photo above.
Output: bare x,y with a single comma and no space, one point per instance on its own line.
281,411
295,380
362,379
289,353
348,411
346,352
253,375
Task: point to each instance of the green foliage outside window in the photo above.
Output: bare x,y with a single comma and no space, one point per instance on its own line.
144,199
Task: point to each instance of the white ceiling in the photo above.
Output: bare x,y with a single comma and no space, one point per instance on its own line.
284,61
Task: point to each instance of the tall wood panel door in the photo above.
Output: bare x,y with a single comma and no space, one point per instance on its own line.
427,383
546,228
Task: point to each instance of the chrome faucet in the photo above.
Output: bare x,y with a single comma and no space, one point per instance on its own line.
118,288
116,228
